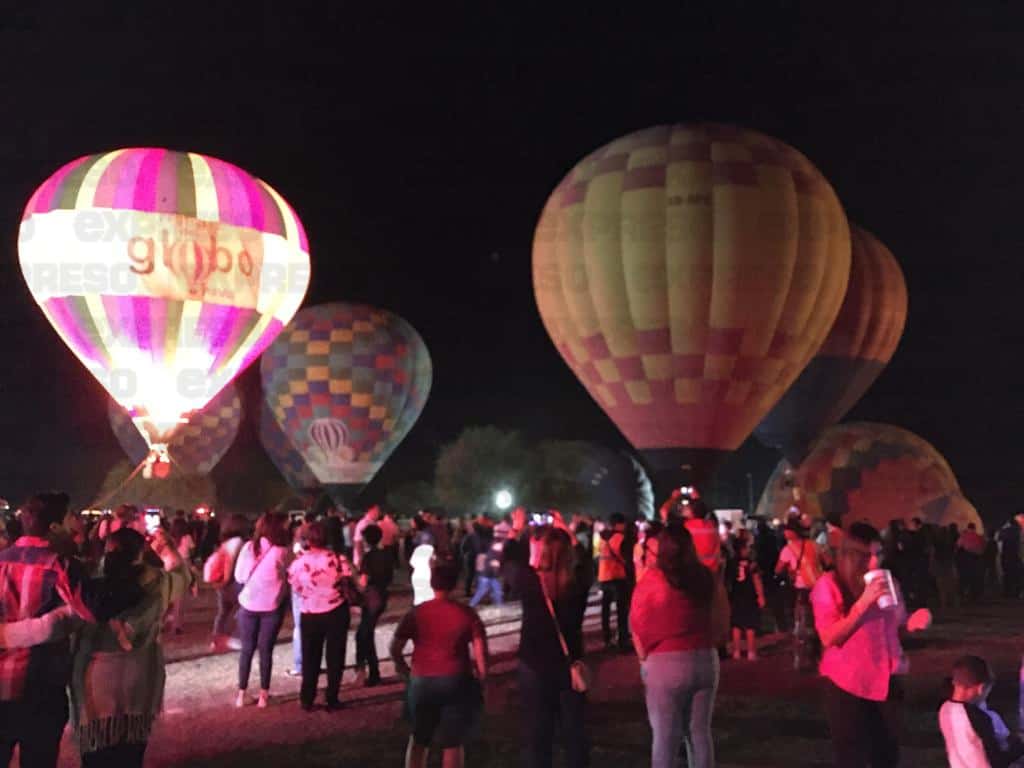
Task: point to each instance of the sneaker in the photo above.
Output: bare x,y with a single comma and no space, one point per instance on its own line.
737,655
240,699
264,700
752,656
372,681
234,644
334,706
294,673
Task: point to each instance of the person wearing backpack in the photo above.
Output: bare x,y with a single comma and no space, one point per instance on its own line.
219,572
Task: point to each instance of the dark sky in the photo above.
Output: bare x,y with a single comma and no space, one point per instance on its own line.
419,151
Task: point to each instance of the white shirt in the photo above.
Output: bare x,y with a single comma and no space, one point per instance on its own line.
264,577
964,747
420,562
790,556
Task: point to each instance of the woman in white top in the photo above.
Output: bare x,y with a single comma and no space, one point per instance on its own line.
316,576
262,572
421,562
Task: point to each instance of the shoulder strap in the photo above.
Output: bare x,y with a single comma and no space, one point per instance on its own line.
259,560
554,618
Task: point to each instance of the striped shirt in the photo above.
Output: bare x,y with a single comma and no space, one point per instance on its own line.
34,580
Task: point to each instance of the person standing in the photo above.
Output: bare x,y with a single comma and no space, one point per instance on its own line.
611,577
550,642
376,573
970,558
34,580
219,572
262,572
746,599
488,566
316,577
421,561
863,659
443,699
372,517
680,616
798,562
1009,541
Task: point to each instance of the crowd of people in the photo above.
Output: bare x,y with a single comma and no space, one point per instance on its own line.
688,592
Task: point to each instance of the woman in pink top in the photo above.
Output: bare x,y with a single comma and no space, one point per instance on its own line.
679,616
863,655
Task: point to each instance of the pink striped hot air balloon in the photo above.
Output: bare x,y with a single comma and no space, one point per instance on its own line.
166,273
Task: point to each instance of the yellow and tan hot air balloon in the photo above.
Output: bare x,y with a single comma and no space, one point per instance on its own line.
687,273
863,339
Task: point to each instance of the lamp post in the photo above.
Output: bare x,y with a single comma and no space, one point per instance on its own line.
503,499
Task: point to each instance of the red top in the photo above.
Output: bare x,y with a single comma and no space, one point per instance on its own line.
441,631
706,541
665,619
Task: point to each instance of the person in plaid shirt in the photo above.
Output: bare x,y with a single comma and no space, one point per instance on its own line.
35,579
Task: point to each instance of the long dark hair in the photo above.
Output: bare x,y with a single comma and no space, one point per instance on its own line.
556,564
677,559
235,525
123,548
274,527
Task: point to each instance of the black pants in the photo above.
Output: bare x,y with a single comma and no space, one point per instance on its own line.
366,645
36,724
1011,577
257,630
546,704
121,756
616,591
227,606
864,733
318,630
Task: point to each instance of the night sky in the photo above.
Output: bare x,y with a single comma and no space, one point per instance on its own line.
418,152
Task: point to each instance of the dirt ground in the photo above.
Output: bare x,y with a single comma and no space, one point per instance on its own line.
765,715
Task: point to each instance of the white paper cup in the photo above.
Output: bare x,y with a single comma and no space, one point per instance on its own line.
890,598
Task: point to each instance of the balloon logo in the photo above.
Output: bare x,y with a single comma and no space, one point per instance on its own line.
329,435
166,273
687,274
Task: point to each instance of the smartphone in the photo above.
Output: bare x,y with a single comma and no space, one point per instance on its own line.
152,523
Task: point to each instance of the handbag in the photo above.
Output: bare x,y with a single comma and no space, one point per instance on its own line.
350,591
579,674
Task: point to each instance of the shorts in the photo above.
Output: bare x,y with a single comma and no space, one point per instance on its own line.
443,711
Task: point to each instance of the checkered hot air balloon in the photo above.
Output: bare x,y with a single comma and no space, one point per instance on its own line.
869,472
346,382
282,453
686,274
165,272
863,339
197,446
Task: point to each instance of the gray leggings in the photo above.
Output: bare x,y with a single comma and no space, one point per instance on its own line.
680,690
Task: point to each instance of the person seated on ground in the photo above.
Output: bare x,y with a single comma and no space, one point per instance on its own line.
976,737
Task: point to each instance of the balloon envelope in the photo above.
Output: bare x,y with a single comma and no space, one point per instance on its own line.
863,339
870,472
687,274
282,453
346,382
165,272
196,447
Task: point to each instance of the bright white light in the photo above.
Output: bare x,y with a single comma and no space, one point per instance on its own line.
503,499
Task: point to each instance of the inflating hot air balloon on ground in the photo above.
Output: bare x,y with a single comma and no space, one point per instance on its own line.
166,273
346,382
282,453
870,472
859,346
196,447
687,274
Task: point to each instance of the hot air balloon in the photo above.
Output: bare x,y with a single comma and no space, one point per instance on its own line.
857,349
346,382
195,447
687,274
282,453
869,472
165,272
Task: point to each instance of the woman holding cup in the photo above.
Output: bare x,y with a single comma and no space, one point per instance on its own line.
858,612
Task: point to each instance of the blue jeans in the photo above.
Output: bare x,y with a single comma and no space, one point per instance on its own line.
484,585
296,632
680,690
257,630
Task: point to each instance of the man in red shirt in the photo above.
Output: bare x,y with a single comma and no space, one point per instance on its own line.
704,530
34,580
